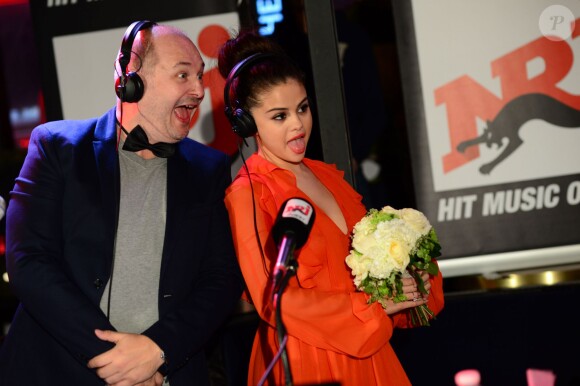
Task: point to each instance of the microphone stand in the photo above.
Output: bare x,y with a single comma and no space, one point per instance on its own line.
280,283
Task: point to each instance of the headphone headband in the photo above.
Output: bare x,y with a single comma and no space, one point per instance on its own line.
128,39
242,122
238,68
129,87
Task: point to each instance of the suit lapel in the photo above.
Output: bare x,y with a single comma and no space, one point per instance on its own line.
179,181
105,148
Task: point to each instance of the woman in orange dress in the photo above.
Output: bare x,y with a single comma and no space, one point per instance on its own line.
334,335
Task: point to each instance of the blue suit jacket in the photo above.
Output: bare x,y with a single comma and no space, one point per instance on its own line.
60,233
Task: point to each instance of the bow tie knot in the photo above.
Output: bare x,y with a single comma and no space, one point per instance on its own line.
137,140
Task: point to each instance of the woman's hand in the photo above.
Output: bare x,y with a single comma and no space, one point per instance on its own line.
412,293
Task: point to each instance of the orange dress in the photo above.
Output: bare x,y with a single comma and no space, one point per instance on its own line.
333,334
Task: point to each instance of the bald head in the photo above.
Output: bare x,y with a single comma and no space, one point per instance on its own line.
143,53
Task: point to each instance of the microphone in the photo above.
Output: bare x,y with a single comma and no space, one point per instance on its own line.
290,231
2,207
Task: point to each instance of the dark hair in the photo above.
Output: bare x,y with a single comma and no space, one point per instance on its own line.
260,76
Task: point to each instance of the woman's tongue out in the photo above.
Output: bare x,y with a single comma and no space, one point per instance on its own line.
297,145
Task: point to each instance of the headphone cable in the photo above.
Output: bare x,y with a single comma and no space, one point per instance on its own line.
253,207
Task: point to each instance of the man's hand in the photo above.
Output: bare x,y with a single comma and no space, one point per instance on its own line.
134,360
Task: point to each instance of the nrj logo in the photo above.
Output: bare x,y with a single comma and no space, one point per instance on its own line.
304,209
523,99
298,209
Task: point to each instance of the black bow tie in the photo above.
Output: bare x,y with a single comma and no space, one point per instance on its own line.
137,140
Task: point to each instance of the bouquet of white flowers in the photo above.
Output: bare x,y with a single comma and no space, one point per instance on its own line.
387,245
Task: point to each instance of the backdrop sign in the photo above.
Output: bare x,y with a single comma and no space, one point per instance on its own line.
493,96
79,41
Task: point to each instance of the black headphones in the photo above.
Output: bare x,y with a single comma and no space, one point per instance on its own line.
243,123
129,85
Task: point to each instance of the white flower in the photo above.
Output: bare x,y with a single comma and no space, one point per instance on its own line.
379,249
416,220
363,227
382,251
391,210
384,247
360,266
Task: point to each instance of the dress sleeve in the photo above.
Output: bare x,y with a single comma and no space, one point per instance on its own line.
338,320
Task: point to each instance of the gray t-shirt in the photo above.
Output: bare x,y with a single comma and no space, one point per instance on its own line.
139,244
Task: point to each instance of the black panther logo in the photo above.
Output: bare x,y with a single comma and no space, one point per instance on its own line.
513,115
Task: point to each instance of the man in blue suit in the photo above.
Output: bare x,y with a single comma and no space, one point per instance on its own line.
118,241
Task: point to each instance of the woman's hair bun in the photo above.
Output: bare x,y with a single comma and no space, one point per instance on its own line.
245,44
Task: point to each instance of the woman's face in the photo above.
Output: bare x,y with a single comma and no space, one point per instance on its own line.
284,123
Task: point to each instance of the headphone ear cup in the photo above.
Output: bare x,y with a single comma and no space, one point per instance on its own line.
243,123
133,89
